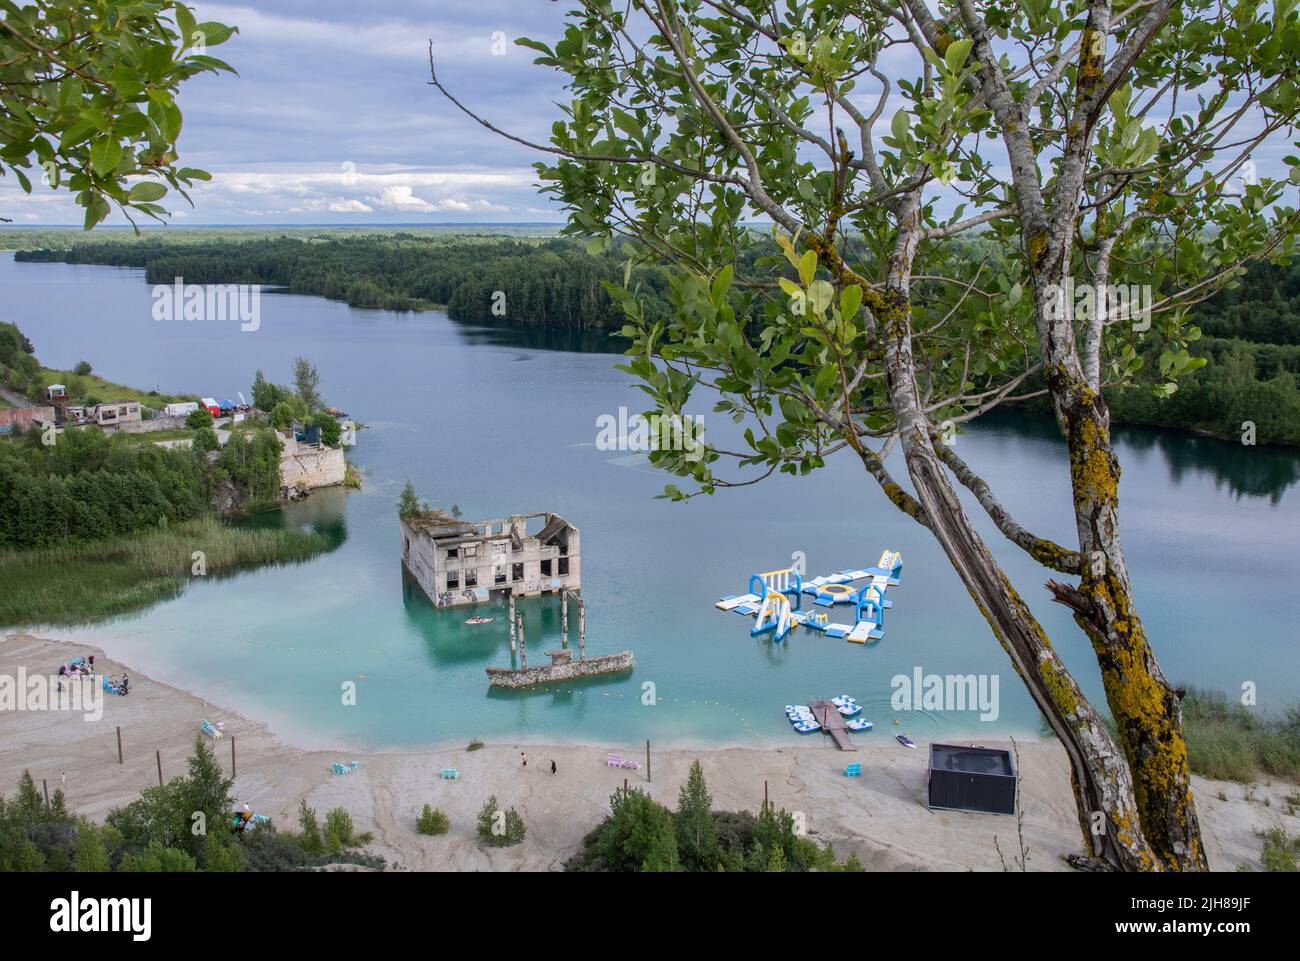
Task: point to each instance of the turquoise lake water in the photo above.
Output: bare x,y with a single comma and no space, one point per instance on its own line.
500,421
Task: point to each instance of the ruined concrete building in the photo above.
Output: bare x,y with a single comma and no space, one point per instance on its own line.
464,562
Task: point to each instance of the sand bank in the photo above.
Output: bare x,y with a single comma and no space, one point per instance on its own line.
880,816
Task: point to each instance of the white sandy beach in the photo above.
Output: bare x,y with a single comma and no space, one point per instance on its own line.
880,816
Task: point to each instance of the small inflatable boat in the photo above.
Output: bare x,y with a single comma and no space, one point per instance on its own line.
480,620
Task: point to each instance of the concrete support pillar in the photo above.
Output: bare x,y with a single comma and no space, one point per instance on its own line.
523,647
582,629
512,623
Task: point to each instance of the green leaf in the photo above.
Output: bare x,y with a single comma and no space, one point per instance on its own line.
105,154
215,33
956,54
808,266
721,284
901,123
146,191
535,45
850,301
185,23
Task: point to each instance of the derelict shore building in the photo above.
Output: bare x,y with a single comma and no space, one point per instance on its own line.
465,562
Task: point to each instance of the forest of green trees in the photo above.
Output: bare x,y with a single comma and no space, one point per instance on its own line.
554,282
1251,331
156,831
90,486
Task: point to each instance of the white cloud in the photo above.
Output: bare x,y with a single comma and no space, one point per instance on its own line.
402,197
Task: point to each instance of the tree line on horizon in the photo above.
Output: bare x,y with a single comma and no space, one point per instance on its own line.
1250,332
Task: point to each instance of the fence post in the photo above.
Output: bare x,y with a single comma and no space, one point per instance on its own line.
119,745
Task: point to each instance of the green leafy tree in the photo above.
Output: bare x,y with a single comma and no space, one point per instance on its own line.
877,329
697,831
83,369
169,813
639,834
306,381
157,859
88,98
30,858
222,854
288,412
199,419
266,394
331,432
88,851
205,439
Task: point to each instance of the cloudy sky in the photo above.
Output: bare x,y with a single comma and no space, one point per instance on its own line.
331,119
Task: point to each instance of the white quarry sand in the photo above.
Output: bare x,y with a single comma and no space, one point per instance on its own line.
881,816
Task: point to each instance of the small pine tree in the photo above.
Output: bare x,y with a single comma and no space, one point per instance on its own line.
697,829
338,829
307,381
432,822
310,838
408,505
500,829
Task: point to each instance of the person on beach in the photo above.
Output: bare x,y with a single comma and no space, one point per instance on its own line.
525,758
552,766
126,683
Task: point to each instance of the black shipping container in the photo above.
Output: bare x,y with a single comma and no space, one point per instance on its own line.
972,779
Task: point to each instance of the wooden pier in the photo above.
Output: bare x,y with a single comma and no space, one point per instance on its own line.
832,722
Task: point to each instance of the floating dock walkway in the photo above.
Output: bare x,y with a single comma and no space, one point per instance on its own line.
828,716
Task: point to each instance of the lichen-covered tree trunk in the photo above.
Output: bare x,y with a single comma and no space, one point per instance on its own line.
1100,777
1145,708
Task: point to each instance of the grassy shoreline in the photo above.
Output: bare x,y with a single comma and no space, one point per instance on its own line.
84,583
1228,742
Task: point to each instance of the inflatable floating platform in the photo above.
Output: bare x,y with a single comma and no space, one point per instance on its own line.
774,599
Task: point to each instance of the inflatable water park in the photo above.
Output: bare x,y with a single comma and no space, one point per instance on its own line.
775,598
